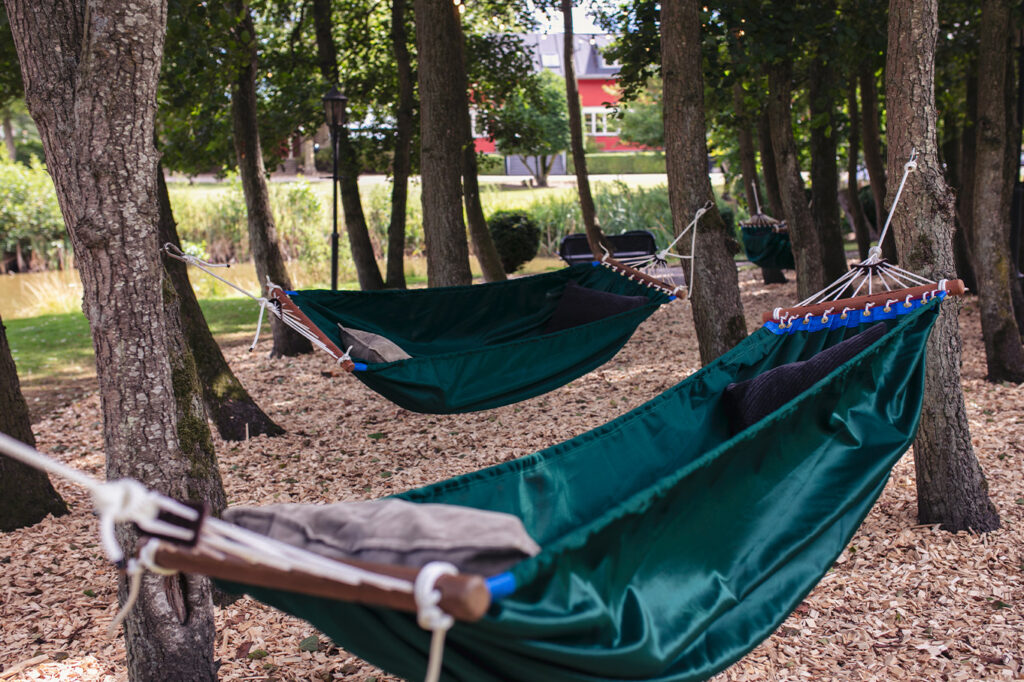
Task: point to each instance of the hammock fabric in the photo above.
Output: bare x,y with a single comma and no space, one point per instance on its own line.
481,346
766,242
670,547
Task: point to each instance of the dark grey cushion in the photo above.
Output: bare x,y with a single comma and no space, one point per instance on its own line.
394,531
580,305
370,347
748,402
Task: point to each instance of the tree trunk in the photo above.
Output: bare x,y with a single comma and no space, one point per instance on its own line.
860,222
26,494
401,164
771,204
235,414
810,271
591,225
12,151
715,294
825,169
951,488
442,98
266,252
480,237
367,270
90,75
993,188
871,128
968,158
1014,105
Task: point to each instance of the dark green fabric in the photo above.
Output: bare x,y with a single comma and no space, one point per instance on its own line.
670,549
767,248
481,346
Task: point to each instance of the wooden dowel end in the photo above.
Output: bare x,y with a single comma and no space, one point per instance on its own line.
465,597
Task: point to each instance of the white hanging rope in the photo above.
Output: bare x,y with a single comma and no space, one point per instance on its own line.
864,273
429,614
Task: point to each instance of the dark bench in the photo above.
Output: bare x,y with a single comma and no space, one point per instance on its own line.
575,249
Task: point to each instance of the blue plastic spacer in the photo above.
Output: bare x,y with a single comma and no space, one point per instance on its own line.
291,293
672,298
358,366
595,263
501,585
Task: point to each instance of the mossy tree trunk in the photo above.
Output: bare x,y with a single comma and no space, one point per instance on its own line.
951,488
715,294
26,494
235,414
91,72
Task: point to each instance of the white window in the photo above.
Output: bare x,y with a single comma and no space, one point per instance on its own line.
550,60
599,121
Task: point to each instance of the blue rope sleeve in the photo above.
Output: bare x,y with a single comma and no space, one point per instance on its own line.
501,585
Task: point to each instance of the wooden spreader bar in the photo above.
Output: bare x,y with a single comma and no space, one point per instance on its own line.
464,597
630,271
954,287
287,304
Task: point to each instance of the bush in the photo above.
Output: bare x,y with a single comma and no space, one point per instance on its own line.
30,218
516,238
620,163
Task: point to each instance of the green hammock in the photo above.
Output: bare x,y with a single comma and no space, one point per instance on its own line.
481,346
670,547
767,248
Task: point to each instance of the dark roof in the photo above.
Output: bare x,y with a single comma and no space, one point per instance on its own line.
547,53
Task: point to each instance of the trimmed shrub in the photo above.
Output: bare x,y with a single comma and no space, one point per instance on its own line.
621,163
516,238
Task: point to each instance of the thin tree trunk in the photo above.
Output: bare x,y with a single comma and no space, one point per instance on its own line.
950,149
715,295
771,204
232,410
442,97
363,257
401,164
969,158
266,252
95,115
26,494
480,236
591,225
1015,126
860,222
12,151
810,272
951,488
871,128
993,187
748,167
825,169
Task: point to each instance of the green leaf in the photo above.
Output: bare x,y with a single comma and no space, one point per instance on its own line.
311,644
377,436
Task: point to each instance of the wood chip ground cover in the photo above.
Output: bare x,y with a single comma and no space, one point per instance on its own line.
903,602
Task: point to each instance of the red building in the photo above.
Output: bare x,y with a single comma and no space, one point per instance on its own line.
597,83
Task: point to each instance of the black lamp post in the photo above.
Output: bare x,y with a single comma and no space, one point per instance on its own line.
334,110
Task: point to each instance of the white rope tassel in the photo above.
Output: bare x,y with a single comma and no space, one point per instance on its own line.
430,616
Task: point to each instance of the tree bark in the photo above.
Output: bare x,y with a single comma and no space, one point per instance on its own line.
588,212
771,204
401,164
951,488
232,410
442,97
715,295
807,255
90,71
26,494
871,129
367,270
480,236
825,169
993,188
860,221
266,252
968,158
